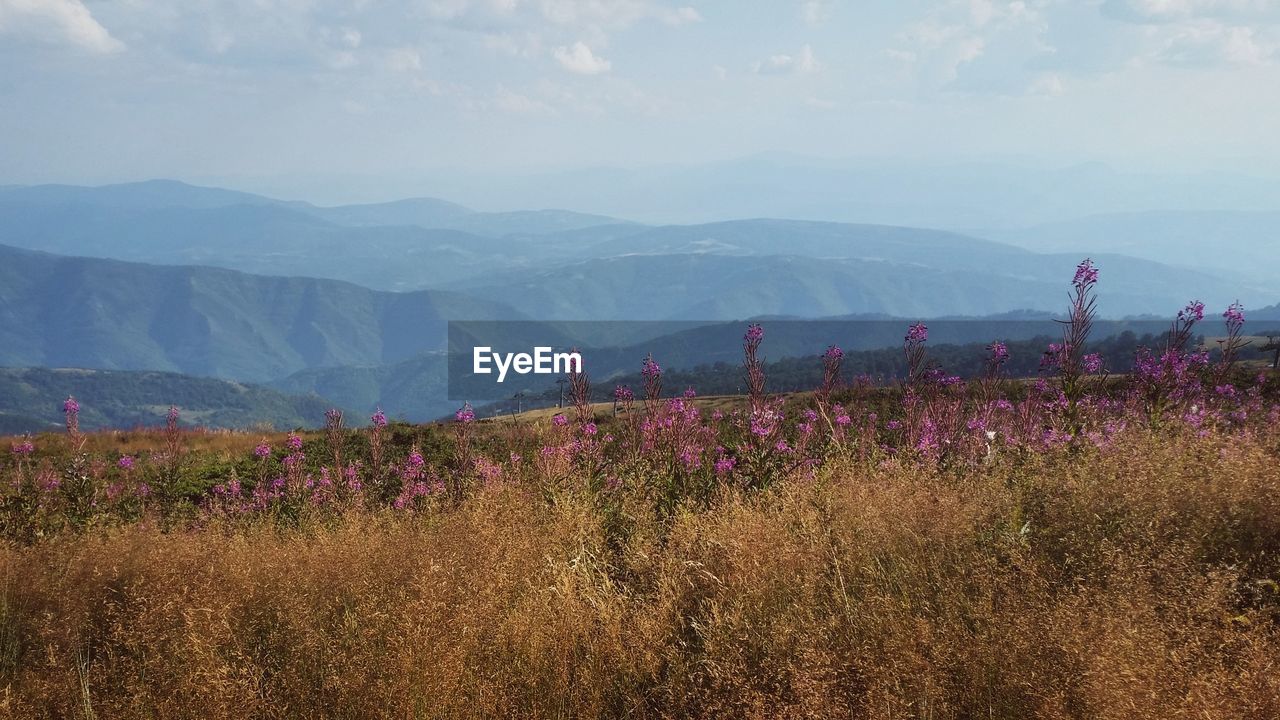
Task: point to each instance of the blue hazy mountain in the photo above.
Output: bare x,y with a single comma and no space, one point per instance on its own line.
1230,243
60,311
31,400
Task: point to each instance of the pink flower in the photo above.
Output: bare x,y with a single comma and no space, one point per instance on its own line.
465,414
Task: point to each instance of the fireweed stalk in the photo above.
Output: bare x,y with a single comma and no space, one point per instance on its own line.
913,405
914,350
172,437
580,391
831,361
623,399
377,425
263,453
753,367
1172,380
71,414
651,374
463,420
1231,345
1068,360
333,435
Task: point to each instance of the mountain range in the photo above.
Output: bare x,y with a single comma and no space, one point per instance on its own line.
350,302
564,265
83,312
32,401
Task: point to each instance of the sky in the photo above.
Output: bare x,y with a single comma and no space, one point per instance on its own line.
252,91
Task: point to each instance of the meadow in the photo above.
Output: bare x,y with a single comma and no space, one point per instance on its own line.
1081,546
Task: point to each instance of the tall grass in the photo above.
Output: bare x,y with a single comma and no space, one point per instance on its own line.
1138,580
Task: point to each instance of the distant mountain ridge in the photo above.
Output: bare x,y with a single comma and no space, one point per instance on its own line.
560,265
1233,243
85,312
424,212
31,400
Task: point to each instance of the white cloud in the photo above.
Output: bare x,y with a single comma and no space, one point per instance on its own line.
1048,84
1156,11
615,13
66,20
403,59
815,12
516,103
1209,42
680,16
1007,37
579,59
343,60
802,62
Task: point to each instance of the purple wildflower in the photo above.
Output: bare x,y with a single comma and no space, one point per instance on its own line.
651,370
1234,315
294,442
465,414
999,352
125,463
263,450
917,333
1086,275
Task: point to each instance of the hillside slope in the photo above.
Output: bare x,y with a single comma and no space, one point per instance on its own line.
82,312
31,400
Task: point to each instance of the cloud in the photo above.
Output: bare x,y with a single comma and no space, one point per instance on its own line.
803,62
64,20
1208,42
1048,84
403,59
1159,11
615,13
579,59
516,103
680,16
815,12
975,45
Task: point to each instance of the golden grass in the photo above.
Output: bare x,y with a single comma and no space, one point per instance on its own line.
1136,582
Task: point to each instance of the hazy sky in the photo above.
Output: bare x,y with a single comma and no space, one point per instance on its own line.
104,90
